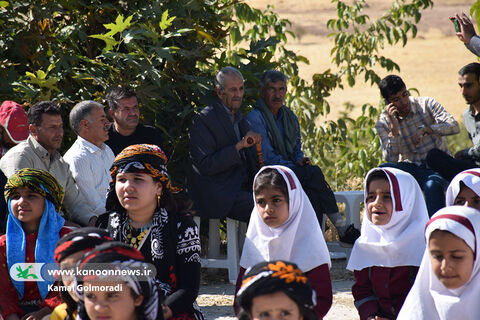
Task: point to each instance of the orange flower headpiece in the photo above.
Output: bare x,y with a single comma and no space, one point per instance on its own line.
274,276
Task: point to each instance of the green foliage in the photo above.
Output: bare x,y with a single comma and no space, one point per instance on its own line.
475,12
348,148
169,51
69,51
459,141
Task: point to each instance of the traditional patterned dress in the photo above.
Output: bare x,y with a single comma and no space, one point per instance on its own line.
170,241
172,244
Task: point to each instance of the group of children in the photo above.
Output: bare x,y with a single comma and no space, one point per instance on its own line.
142,263
405,265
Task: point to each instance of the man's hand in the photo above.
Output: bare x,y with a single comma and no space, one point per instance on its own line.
167,312
467,31
417,136
392,113
92,221
37,315
303,162
249,140
461,155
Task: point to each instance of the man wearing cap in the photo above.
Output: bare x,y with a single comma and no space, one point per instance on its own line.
13,129
89,157
39,151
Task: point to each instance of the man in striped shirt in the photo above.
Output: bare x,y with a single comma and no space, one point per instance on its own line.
409,128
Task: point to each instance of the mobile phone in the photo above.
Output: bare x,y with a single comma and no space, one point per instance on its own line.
456,24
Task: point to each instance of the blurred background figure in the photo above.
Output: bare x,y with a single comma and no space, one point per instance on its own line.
13,129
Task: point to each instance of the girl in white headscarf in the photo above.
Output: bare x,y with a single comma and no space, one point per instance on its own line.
283,226
386,257
448,282
464,189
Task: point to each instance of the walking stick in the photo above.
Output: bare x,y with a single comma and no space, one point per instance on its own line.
258,149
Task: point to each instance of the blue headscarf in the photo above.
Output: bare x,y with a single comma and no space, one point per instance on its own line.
48,235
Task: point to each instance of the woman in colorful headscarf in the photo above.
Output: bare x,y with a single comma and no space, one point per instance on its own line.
34,226
276,289
114,283
68,251
464,189
144,214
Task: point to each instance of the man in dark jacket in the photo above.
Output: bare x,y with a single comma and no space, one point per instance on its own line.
221,153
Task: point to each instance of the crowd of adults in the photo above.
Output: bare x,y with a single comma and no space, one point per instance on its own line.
114,176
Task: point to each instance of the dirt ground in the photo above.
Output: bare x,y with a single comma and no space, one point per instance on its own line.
429,62
216,295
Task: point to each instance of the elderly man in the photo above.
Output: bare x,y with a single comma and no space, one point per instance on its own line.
281,144
127,129
39,151
409,128
89,157
222,158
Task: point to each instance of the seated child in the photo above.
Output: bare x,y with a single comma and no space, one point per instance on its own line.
128,294
34,226
68,251
386,257
448,282
276,290
464,189
283,225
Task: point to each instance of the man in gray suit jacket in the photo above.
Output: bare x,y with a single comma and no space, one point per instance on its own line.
221,153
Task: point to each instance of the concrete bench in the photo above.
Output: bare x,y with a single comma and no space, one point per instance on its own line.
235,237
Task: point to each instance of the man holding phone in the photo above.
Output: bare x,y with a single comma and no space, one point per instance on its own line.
465,31
409,128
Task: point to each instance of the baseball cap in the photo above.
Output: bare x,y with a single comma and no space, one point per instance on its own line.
14,119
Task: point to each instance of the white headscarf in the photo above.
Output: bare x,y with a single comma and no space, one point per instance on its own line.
470,177
299,239
399,242
429,298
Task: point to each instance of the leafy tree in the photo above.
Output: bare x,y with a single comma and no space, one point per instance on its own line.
68,50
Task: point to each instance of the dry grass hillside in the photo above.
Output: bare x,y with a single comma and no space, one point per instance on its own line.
429,62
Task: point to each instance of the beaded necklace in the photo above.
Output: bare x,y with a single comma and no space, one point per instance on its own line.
136,241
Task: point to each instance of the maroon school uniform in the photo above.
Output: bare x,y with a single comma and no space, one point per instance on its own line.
320,281
381,291
9,302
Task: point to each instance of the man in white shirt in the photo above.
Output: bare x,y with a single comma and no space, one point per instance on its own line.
89,157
